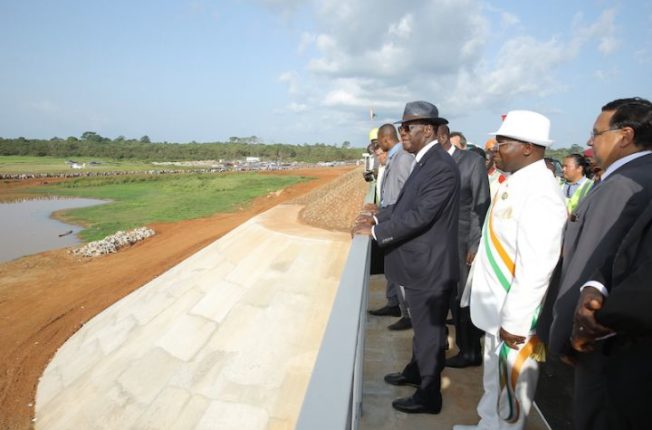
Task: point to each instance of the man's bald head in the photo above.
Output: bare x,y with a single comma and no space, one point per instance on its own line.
387,136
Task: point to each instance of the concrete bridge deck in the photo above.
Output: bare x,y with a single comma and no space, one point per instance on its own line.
226,339
389,351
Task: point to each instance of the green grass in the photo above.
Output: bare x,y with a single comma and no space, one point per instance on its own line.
12,164
138,200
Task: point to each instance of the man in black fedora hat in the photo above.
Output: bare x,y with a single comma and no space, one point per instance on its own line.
419,236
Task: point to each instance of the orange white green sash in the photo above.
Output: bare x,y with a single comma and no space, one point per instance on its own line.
510,364
510,361
502,264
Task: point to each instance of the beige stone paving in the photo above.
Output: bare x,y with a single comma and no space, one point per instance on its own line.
225,340
389,351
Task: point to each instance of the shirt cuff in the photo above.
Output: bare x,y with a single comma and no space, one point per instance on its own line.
598,286
373,233
375,219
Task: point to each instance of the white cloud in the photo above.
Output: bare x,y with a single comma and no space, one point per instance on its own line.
509,19
603,31
402,29
292,80
365,55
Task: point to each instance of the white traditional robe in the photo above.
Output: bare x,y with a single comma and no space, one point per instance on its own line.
520,247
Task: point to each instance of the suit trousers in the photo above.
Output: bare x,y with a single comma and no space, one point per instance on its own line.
525,389
428,309
613,386
467,335
396,297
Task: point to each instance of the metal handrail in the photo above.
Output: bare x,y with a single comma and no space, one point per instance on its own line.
333,399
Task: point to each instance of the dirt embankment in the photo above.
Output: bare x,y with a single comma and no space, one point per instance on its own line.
334,206
45,298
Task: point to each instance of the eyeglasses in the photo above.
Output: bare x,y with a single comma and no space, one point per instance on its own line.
497,146
407,127
595,134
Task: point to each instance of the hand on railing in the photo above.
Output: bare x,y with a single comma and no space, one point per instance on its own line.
369,208
362,224
363,229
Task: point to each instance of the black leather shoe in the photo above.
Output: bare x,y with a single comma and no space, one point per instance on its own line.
460,361
402,324
412,405
386,311
399,379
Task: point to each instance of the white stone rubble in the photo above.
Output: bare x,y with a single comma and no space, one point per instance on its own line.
113,243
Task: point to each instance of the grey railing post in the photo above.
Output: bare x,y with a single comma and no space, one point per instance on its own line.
333,399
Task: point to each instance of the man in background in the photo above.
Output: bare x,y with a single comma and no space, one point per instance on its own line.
576,184
371,164
458,140
474,202
596,170
381,156
398,168
496,177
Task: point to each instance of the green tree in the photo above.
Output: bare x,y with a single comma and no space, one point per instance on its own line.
91,136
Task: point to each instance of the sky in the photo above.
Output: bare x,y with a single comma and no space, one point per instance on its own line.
307,71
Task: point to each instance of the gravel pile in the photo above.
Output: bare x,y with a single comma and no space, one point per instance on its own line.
335,205
113,243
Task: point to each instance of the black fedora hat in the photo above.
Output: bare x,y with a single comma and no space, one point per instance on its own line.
421,110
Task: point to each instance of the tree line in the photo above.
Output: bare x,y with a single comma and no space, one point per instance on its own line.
91,144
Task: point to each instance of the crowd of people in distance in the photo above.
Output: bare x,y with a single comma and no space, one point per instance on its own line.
529,266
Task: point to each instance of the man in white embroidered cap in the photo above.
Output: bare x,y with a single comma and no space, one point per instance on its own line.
519,249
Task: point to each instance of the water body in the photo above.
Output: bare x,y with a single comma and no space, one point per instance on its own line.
26,227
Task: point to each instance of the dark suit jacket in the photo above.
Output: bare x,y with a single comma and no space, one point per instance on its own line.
592,237
419,232
628,308
474,202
